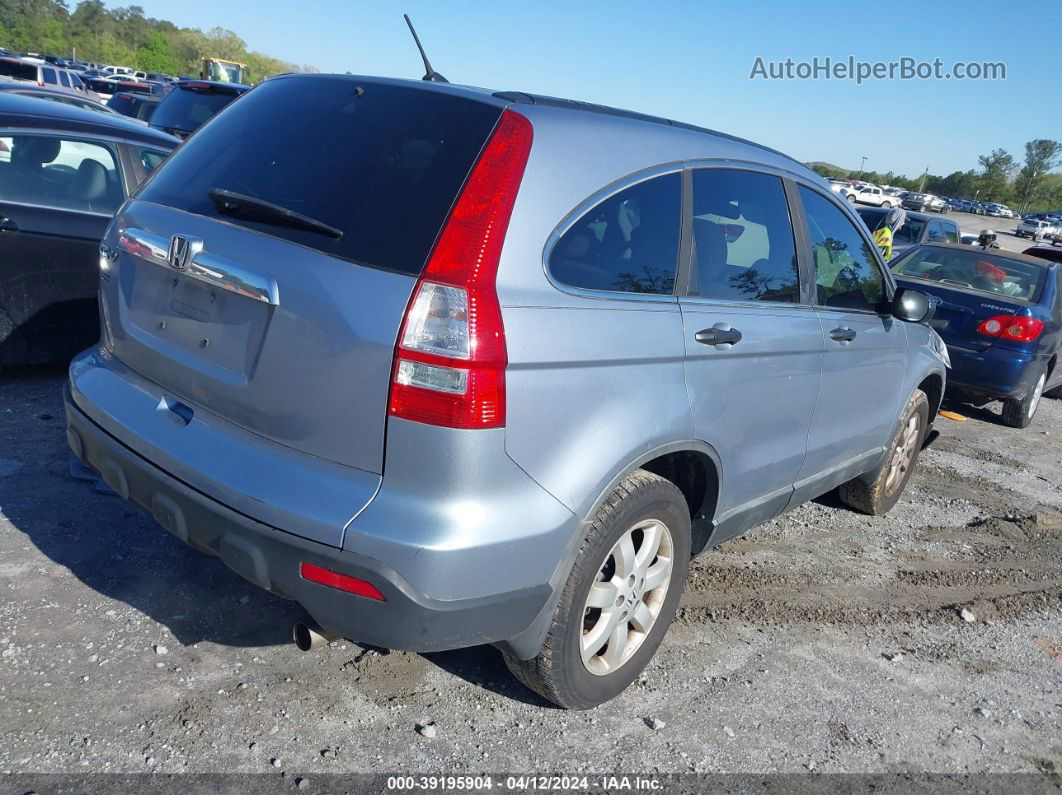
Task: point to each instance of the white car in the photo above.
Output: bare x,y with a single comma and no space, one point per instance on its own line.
873,195
1036,228
843,188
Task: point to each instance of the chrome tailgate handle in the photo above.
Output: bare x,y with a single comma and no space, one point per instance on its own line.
186,255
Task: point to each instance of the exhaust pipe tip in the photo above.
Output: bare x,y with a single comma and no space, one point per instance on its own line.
310,636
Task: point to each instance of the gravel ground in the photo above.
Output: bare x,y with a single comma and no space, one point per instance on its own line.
825,641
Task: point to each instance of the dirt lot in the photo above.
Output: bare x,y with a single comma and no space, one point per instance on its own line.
825,641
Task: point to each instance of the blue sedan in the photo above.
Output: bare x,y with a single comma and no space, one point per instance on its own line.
1000,315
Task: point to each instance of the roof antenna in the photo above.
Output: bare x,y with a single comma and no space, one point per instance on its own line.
429,74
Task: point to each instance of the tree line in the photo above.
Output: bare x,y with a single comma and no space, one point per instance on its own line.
1025,186
125,37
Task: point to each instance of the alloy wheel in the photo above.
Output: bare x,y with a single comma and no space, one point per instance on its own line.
624,602
903,456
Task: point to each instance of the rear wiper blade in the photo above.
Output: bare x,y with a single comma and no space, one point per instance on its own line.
243,206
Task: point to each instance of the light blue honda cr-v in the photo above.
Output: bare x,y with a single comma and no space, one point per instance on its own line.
453,367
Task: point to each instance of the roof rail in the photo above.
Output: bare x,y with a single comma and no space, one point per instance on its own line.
590,107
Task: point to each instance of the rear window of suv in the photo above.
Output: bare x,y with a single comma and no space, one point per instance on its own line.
18,70
187,108
382,163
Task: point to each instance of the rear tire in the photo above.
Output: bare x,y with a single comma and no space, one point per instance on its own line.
580,631
876,492
1020,413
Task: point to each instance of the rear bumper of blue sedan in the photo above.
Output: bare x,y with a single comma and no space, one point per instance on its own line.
995,373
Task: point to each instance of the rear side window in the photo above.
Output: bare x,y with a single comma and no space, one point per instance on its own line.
150,159
743,246
381,163
845,271
628,243
49,76
18,70
936,232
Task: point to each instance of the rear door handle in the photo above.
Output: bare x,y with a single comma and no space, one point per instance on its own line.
7,225
842,335
718,336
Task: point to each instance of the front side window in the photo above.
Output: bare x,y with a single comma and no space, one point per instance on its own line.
936,232
58,172
743,246
846,274
64,79
628,243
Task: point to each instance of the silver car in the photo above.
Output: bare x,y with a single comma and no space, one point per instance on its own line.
43,74
453,367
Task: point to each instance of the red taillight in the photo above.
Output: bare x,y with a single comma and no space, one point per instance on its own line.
343,582
1011,327
450,358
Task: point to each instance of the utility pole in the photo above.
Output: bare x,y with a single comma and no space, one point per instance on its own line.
1025,198
862,162
922,182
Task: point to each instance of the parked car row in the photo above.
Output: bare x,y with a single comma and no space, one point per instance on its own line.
857,192
708,345
917,228
1041,227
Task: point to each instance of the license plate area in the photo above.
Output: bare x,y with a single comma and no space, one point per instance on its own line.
209,324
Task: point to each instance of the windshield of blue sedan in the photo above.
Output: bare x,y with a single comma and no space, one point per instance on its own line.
974,269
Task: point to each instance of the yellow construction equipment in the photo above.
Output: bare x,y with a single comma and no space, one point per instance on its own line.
223,71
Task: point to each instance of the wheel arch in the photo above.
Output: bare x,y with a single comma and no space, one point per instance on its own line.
933,386
694,467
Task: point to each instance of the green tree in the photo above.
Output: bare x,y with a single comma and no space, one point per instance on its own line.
1041,155
156,54
223,43
89,22
996,169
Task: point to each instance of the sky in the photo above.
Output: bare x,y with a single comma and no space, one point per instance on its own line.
692,61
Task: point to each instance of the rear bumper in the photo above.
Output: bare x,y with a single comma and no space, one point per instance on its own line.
271,558
995,372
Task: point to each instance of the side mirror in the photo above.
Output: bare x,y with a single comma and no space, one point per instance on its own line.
913,306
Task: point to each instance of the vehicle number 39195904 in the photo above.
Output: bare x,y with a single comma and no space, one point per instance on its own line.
487,782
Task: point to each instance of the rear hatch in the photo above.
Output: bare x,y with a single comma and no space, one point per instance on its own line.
286,325
191,104
973,287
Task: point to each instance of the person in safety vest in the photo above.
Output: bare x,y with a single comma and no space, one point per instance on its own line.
888,227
